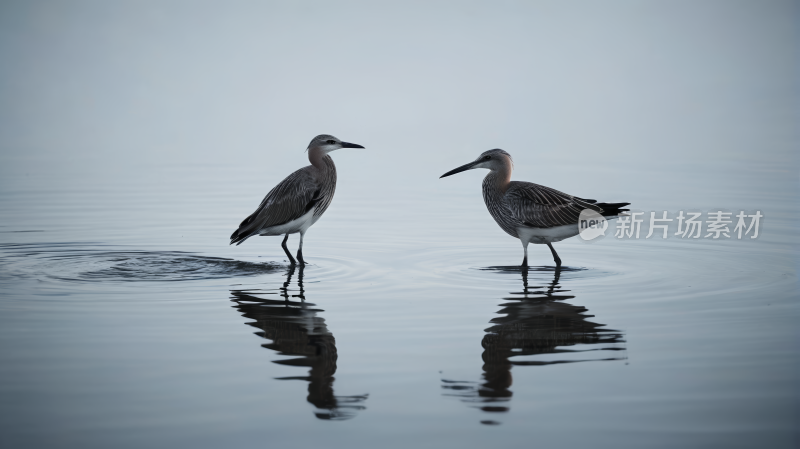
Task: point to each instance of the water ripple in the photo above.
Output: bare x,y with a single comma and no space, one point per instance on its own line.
83,262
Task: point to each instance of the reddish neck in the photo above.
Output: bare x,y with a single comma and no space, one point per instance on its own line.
316,156
499,179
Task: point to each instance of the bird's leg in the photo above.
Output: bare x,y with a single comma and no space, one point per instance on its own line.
525,259
300,250
286,250
555,255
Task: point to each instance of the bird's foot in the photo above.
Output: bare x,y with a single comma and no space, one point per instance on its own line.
286,251
556,259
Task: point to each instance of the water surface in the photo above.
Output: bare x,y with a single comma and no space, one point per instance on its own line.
136,136
392,335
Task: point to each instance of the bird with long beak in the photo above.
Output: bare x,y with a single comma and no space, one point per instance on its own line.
531,212
298,201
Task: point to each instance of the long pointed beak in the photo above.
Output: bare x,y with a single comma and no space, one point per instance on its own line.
464,167
351,145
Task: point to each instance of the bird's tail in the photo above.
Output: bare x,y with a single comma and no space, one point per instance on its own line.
244,232
238,238
612,209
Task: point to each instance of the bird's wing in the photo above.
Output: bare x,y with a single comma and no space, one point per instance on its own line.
542,207
287,201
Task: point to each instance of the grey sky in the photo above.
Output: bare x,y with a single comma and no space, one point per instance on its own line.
629,77
693,98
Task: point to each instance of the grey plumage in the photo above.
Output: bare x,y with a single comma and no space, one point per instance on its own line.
291,199
298,201
531,212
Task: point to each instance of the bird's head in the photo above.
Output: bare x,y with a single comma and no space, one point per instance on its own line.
327,143
494,160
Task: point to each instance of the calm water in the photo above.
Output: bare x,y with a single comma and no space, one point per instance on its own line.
135,136
128,321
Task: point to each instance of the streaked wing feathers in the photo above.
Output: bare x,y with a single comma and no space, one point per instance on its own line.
287,201
538,206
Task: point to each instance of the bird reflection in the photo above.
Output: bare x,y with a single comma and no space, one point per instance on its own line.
536,328
296,329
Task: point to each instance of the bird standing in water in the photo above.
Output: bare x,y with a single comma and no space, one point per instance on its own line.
528,211
298,201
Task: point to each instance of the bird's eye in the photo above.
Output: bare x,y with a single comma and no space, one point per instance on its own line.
330,142
486,158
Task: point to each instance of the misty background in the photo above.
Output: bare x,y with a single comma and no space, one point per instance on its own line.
136,135
592,98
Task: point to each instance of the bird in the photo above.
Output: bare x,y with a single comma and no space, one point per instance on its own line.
298,201
531,212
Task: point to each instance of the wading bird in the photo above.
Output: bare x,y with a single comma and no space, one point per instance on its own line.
528,211
298,201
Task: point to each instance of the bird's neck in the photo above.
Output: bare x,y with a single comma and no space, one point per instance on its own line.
498,180
320,160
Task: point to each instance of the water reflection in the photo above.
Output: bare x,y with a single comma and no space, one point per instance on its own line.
536,328
295,329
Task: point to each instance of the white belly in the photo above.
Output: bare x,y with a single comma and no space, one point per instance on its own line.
547,235
299,225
